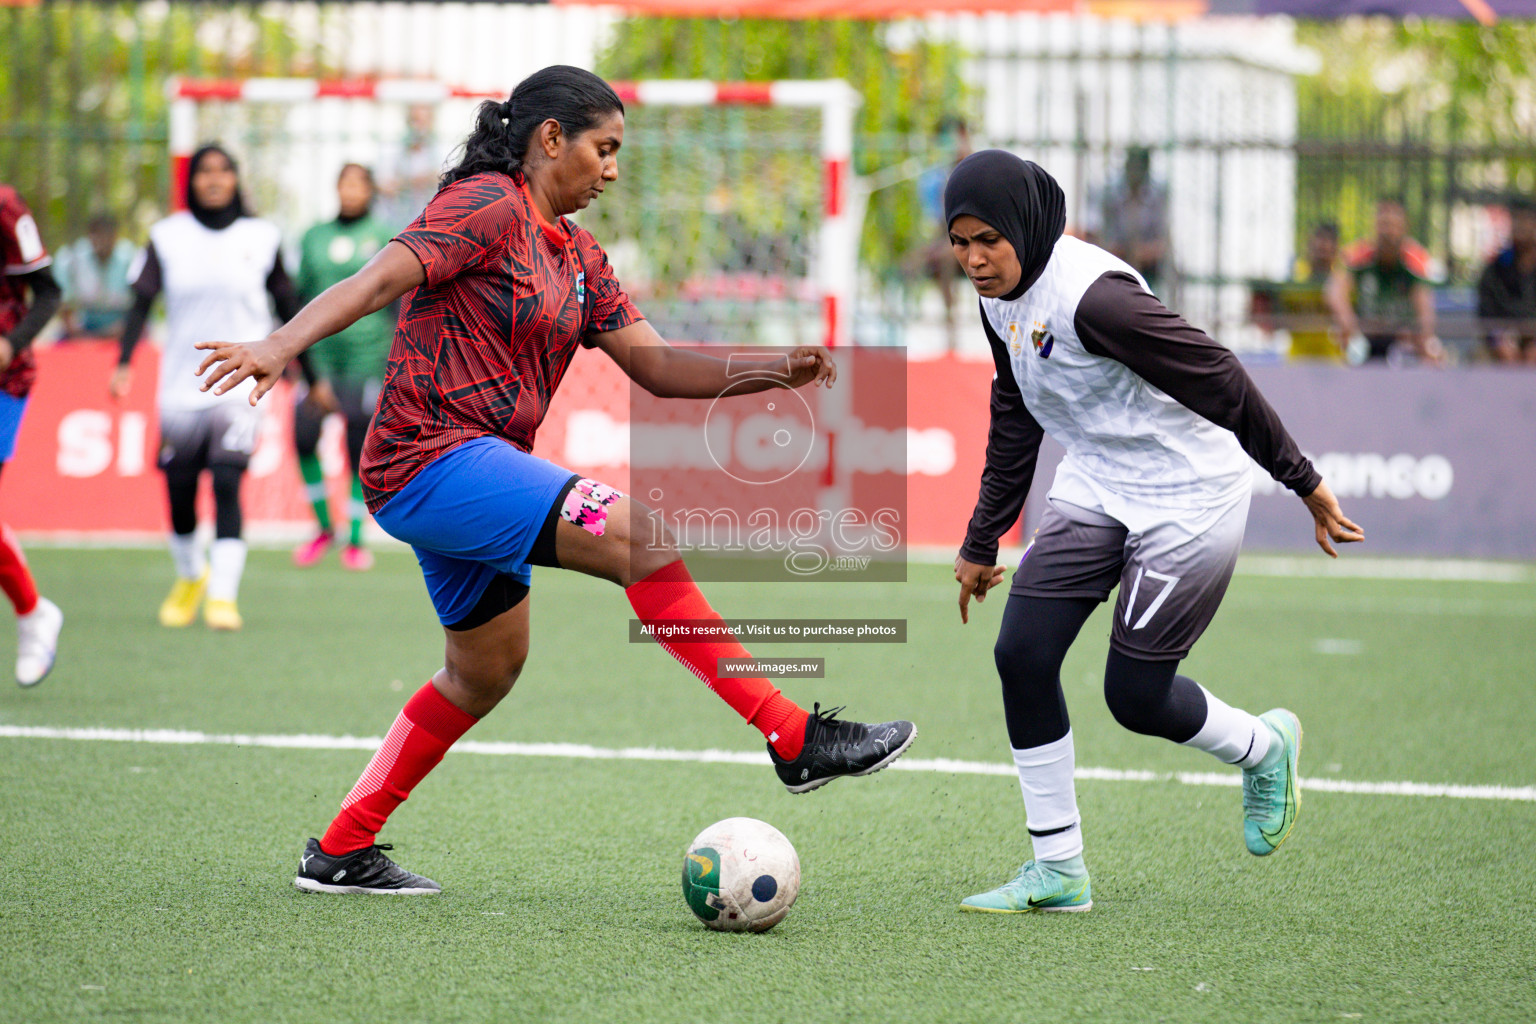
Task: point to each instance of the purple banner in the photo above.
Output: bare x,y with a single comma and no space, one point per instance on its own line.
1323,10
1427,462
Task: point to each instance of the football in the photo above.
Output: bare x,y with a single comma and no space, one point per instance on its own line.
740,875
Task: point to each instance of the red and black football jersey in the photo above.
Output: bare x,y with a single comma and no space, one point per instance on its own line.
481,346
22,252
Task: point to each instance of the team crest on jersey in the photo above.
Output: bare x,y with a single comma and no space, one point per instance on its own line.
1013,338
581,286
1043,340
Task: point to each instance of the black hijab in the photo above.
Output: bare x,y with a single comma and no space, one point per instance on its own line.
1018,198
214,219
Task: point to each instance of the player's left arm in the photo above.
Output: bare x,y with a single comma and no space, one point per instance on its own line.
1118,319
45,302
25,258
669,372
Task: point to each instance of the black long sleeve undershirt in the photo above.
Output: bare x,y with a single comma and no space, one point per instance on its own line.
1013,447
145,287
286,298
45,302
1117,319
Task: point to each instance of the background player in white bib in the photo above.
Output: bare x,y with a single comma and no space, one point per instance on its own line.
1159,423
216,265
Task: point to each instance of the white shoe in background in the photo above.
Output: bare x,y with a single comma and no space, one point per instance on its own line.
37,641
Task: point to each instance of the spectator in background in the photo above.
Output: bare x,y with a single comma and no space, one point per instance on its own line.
1130,219
1506,293
1304,303
1381,296
1322,253
93,275
409,179
935,259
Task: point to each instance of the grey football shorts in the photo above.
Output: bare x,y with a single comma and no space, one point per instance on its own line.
1171,583
194,439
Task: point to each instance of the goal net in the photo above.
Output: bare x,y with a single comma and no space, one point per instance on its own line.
729,222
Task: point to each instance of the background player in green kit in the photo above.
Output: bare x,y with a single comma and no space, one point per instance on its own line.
348,366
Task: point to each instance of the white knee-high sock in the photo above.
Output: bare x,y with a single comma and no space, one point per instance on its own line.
187,553
1231,734
1050,798
228,564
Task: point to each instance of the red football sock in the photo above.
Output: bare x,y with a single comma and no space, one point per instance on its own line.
15,577
670,593
424,730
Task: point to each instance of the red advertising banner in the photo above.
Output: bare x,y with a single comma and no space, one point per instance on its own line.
85,463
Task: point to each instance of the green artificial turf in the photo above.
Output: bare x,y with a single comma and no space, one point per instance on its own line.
152,882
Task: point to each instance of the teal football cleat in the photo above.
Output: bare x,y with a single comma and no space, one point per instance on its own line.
1272,796
1036,887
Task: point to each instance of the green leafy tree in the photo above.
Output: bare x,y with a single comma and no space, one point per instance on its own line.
1437,112
82,97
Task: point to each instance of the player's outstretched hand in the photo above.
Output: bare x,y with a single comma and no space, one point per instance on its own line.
811,364
974,579
227,364
1330,521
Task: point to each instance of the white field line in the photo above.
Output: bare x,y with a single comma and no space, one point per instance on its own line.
276,536
1348,565
582,751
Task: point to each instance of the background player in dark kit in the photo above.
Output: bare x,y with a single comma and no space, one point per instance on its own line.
348,367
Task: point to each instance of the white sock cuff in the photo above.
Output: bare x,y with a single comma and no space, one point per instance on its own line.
187,555
227,565
1045,754
1050,798
1230,734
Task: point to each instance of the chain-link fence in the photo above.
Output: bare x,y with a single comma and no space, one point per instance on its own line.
1243,150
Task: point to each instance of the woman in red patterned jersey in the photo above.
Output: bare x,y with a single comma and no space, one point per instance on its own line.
25,264
500,291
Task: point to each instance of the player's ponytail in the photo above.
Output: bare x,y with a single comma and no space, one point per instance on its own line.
577,99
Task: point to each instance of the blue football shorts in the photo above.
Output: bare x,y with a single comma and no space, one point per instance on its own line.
11,409
471,514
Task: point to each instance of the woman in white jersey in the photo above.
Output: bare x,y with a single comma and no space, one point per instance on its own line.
1159,423
216,266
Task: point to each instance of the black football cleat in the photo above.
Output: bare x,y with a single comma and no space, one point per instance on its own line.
834,749
361,872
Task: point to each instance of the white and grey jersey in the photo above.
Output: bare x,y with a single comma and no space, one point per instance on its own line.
1158,420
215,285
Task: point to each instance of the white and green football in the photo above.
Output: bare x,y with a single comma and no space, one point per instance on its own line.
740,875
